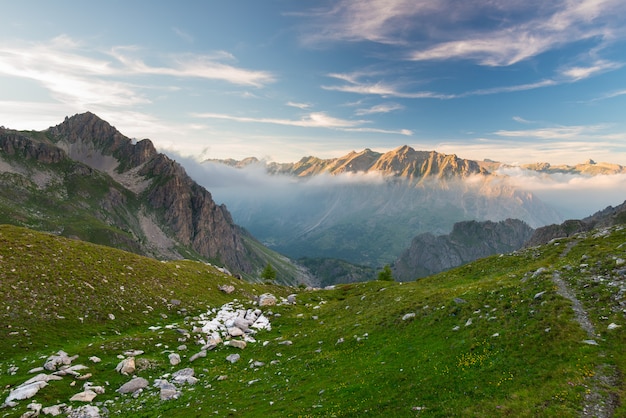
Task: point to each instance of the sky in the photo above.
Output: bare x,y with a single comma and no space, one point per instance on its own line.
506,80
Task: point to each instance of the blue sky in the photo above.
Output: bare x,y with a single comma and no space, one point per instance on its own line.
513,81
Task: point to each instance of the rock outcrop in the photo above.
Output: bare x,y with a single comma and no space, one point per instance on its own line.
602,219
468,241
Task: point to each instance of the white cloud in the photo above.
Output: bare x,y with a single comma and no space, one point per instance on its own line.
84,78
299,105
381,108
311,120
183,35
578,73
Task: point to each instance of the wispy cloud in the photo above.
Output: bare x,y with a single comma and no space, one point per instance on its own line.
299,105
354,84
196,66
576,73
521,120
378,88
583,132
508,31
380,108
311,120
84,78
183,35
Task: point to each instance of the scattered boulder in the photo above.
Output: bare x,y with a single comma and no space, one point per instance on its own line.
61,358
126,366
54,410
291,299
168,390
86,411
196,356
133,386
233,358
174,359
237,344
25,391
228,289
185,376
267,299
85,396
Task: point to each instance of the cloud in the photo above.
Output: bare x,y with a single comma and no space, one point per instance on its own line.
196,66
491,33
299,105
583,132
311,120
379,88
183,35
85,78
521,120
381,108
576,196
579,73
355,20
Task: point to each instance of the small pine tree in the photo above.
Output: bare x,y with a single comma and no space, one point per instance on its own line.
268,274
386,274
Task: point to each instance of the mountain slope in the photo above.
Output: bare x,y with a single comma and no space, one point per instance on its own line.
83,178
531,333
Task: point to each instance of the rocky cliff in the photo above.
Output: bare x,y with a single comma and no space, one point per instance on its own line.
468,241
607,217
83,178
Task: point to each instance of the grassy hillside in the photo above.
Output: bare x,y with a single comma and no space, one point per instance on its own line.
525,334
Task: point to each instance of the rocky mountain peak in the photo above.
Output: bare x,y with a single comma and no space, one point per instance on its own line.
83,134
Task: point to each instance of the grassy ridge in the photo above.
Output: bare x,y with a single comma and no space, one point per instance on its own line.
478,340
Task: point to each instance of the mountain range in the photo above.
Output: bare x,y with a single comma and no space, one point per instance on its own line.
366,207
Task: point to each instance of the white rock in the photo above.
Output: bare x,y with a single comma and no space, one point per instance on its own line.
198,355
25,391
174,359
233,358
133,386
237,344
126,366
408,316
54,410
469,322
267,299
613,325
86,396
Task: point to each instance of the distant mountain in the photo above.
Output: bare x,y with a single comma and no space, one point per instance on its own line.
589,167
403,162
468,241
84,179
366,207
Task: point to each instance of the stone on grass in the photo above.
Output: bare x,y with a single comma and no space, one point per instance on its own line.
174,359
612,326
85,396
267,299
184,376
408,316
126,366
237,344
54,410
233,358
25,391
196,356
133,386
